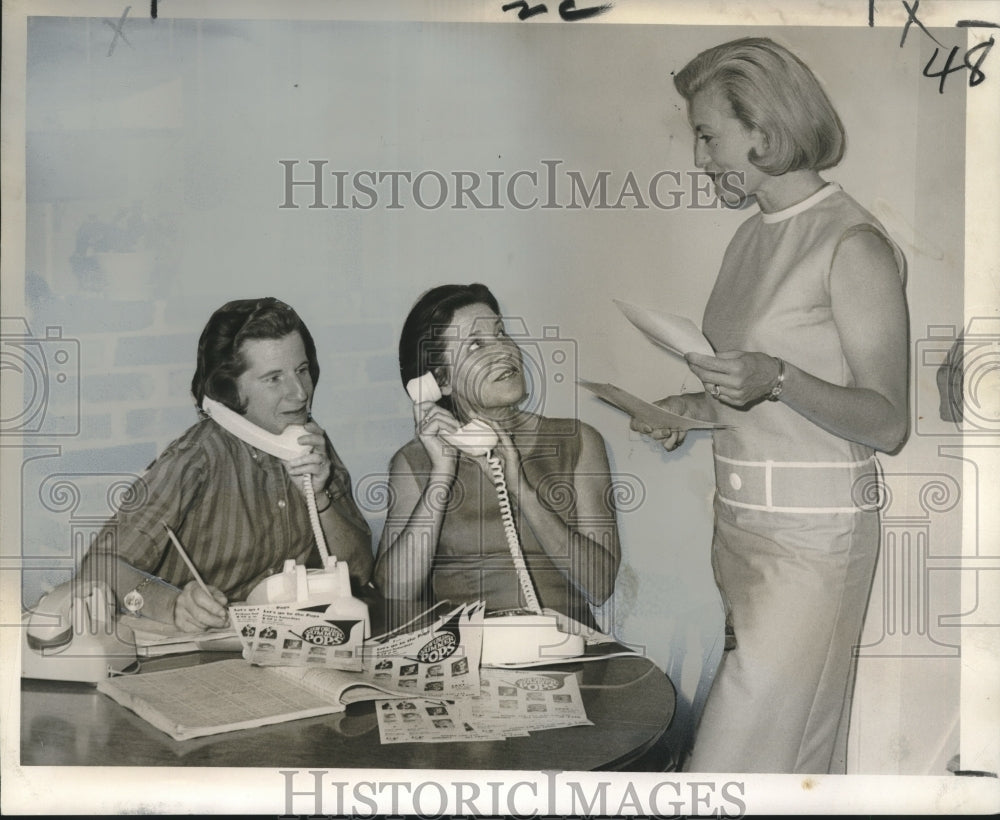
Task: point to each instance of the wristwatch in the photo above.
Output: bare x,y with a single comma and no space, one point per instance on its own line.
780,383
133,600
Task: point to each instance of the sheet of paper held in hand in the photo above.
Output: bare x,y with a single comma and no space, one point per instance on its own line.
643,411
677,334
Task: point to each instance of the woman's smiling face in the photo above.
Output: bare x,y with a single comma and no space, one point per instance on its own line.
484,371
723,146
276,386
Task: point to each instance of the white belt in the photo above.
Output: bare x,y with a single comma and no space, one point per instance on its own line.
799,486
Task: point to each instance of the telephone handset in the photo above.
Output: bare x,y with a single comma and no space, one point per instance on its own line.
476,438
507,639
284,445
294,583
70,635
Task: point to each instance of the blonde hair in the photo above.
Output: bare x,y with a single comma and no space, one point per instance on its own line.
772,90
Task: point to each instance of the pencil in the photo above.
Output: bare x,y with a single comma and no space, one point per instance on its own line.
187,559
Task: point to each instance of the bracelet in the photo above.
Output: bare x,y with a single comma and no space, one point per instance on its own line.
780,383
329,500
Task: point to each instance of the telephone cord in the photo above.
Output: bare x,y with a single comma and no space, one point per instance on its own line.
317,528
510,531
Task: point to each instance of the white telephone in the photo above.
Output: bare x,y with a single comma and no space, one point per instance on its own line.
74,636
332,583
476,438
525,637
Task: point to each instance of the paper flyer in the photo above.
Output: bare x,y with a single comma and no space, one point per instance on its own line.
284,635
510,703
437,660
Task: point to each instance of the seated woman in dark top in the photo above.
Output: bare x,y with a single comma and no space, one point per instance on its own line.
446,534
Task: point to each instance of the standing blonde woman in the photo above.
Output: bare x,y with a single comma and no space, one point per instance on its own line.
809,323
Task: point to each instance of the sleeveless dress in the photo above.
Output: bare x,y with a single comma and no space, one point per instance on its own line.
473,560
796,508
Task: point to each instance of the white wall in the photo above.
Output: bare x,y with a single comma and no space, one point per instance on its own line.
192,122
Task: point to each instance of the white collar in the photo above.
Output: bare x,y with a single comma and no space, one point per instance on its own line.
799,207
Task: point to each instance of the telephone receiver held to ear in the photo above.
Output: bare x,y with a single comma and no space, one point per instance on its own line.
284,445
330,585
476,438
530,636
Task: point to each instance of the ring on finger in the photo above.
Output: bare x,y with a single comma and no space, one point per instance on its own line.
716,390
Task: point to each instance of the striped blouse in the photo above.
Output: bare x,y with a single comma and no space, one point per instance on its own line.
231,506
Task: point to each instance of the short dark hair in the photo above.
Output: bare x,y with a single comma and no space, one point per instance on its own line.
220,358
422,342
772,90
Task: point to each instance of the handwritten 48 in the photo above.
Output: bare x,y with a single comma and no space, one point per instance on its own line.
976,75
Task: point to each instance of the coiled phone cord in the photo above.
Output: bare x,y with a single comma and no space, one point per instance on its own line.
510,531
317,528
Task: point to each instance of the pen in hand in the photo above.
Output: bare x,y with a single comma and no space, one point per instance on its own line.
187,560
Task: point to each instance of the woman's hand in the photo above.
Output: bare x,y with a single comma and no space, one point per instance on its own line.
669,438
194,611
736,378
315,463
432,422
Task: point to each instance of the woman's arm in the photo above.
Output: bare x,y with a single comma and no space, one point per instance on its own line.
583,543
132,544
416,513
869,309
412,528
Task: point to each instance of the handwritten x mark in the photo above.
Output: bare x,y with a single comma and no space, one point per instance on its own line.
118,31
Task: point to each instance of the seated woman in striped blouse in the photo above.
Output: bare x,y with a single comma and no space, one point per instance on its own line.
238,511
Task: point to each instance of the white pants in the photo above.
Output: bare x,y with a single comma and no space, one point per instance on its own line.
796,587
